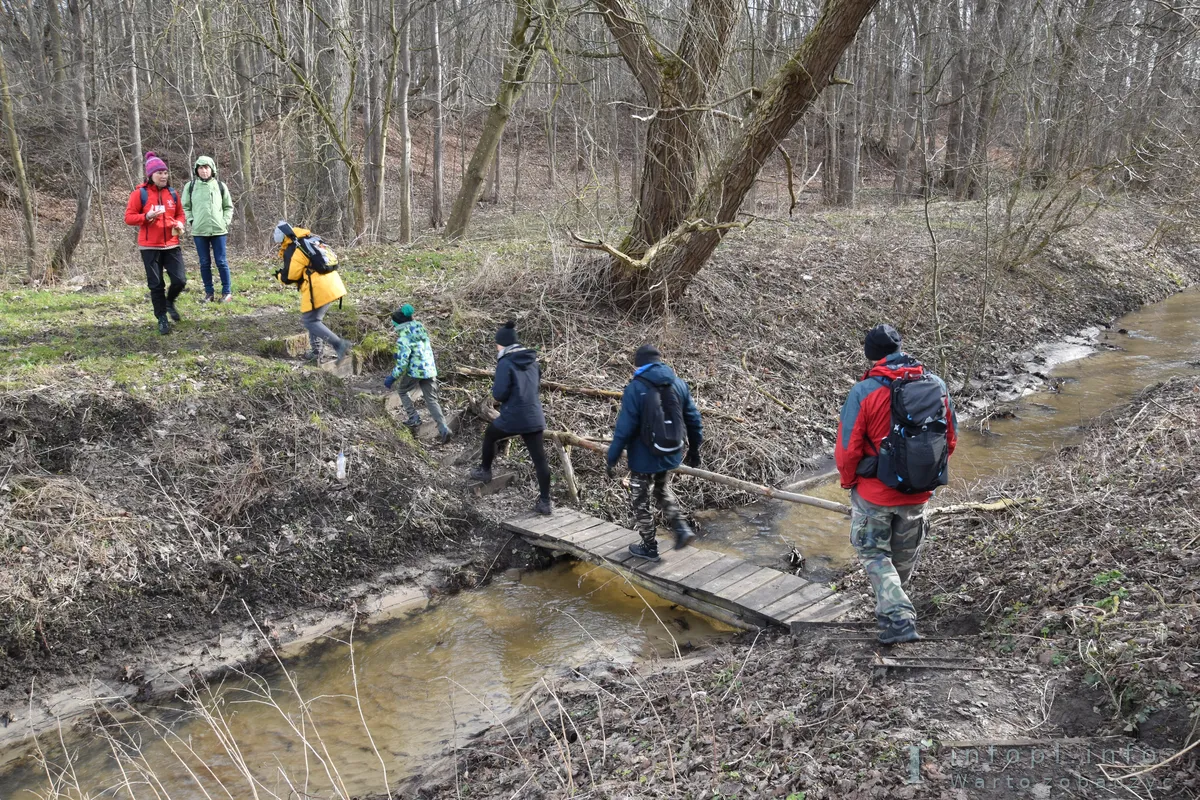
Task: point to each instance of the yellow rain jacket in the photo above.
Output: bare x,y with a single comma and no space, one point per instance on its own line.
316,290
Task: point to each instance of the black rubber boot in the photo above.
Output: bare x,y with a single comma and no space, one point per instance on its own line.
683,535
898,632
544,507
172,313
641,551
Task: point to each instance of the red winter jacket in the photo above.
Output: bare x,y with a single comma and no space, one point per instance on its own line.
864,424
159,232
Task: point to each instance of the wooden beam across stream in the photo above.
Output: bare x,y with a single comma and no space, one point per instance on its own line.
724,587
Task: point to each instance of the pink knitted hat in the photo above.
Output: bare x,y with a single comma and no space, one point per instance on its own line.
154,164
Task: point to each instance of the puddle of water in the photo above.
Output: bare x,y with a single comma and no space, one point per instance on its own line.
1162,341
425,683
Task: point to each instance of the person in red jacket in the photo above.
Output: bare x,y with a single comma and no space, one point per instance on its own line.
887,525
154,208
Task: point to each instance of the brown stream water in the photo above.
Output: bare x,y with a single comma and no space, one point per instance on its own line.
429,681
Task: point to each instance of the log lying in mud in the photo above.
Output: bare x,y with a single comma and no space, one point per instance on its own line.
756,488
1007,504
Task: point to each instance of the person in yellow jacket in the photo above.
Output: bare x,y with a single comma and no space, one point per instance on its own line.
318,291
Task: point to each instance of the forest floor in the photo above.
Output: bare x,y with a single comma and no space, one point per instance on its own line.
156,490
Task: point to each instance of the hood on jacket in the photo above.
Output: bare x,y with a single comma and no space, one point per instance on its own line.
416,330
204,161
656,373
896,365
521,357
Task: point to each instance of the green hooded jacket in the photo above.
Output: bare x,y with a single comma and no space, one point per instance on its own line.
207,204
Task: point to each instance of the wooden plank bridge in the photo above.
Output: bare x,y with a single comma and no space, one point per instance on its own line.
723,587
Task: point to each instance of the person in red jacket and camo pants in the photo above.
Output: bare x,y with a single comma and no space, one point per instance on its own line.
887,526
154,208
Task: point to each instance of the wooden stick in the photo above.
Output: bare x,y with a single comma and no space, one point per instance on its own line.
569,471
725,480
1000,505
585,391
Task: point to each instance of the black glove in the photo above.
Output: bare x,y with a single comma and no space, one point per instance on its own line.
692,459
611,471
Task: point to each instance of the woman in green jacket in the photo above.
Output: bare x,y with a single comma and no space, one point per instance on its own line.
209,210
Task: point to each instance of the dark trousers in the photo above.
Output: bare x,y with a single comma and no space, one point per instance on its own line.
641,486
537,454
155,261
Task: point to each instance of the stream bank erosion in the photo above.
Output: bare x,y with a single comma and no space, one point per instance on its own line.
1071,618
152,492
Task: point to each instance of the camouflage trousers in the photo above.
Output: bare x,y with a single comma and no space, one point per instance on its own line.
888,540
641,485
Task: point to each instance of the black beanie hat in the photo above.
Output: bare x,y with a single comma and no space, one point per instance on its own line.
403,314
880,342
508,334
646,354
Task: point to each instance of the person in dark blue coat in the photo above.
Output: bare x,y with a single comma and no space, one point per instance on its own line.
516,385
649,467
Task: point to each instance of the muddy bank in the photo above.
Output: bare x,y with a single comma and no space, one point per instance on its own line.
142,529
1073,617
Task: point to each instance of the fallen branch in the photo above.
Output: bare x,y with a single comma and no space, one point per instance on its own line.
1000,505
725,480
585,391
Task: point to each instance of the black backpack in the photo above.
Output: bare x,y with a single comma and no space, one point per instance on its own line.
914,455
662,418
145,195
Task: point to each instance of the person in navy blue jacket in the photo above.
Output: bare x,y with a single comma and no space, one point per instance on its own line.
516,385
650,470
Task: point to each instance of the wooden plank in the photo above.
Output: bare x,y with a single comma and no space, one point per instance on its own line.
697,560
612,549
771,592
568,530
824,611
748,584
741,571
541,524
787,606
699,580
582,535
604,542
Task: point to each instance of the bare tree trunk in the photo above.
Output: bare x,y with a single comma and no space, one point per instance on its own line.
14,150
135,96
524,43
404,63
491,193
672,262
517,172
58,91
245,203
333,69
65,252
676,87
435,211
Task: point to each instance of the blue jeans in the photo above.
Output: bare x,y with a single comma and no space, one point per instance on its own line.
217,243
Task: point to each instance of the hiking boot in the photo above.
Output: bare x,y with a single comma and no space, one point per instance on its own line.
228,298
544,507
641,551
898,632
342,348
444,437
683,536
164,327
413,422
172,313
480,474
208,298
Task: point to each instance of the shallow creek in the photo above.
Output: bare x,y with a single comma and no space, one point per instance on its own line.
430,680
